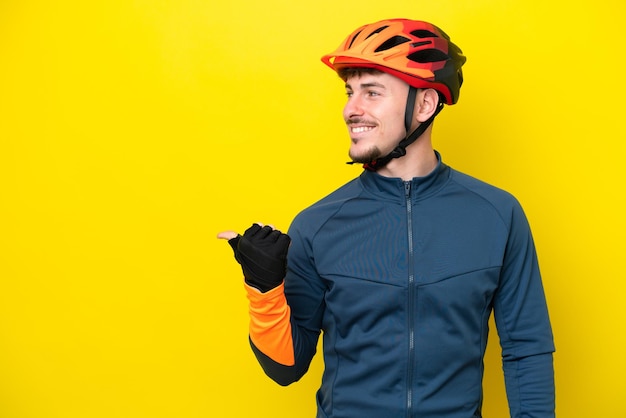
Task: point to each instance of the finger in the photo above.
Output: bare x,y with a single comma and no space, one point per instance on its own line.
274,235
284,240
256,227
227,235
264,232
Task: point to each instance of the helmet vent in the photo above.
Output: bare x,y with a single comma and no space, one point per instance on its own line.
423,33
428,55
353,38
392,42
382,28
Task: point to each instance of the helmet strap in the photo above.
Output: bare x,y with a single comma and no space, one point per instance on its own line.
410,107
400,150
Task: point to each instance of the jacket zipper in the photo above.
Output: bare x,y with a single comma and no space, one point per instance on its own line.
410,310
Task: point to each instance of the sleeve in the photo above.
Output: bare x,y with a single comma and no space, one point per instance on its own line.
285,323
524,328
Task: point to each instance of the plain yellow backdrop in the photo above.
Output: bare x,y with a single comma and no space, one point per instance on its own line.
131,132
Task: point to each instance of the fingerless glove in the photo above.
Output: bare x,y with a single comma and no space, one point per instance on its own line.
262,253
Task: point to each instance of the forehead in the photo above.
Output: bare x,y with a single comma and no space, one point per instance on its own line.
381,80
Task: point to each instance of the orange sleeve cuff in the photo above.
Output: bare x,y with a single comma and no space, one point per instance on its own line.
270,324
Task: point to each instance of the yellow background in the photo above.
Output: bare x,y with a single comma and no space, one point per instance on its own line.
131,132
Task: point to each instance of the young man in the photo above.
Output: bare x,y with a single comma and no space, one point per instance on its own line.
401,267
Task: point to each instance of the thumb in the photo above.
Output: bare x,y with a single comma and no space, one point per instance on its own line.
227,235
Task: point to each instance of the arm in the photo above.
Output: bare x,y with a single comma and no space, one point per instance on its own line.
524,326
283,343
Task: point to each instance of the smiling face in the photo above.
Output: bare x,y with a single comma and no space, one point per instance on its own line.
374,114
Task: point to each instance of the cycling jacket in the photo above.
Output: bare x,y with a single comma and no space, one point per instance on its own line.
402,277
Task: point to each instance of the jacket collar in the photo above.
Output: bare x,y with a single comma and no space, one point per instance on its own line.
393,188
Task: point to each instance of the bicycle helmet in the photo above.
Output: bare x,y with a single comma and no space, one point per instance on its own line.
416,52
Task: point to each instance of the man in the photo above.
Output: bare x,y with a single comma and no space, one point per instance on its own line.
401,267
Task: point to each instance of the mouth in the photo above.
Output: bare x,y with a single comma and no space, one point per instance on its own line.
360,129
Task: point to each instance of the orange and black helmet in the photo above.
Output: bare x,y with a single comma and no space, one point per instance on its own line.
417,52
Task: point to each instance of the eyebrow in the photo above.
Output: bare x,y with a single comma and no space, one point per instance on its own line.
367,85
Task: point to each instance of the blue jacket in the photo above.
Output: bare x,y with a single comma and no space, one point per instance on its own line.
402,277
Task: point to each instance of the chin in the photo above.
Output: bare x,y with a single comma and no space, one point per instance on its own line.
364,159
365,156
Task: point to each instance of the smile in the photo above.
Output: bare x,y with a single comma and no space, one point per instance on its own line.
359,129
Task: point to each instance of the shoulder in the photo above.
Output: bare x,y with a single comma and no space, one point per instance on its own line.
482,189
500,200
315,215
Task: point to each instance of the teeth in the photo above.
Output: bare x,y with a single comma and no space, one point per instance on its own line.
360,129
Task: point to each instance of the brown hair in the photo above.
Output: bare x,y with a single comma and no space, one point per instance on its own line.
349,72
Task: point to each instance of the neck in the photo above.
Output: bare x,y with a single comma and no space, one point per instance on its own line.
419,161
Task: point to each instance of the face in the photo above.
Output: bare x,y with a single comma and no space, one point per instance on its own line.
374,114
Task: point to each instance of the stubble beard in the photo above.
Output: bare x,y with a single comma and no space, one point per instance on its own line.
366,157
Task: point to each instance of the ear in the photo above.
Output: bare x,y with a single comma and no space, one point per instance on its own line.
425,104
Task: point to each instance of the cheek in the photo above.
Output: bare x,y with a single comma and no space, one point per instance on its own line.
394,119
399,122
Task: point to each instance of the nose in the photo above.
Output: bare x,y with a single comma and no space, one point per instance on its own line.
353,107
